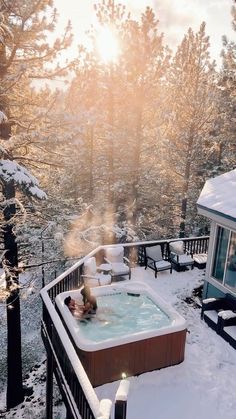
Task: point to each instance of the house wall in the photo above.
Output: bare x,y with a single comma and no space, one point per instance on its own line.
213,288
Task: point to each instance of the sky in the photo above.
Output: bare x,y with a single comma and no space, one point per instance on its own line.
175,17
202,386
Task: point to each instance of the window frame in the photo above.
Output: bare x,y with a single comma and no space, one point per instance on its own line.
219,282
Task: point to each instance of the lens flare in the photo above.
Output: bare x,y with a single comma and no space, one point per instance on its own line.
107,45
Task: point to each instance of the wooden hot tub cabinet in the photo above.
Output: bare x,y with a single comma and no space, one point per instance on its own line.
106,365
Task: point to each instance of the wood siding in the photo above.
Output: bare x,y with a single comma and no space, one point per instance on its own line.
134,358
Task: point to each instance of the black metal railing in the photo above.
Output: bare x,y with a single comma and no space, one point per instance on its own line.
52,327
196,245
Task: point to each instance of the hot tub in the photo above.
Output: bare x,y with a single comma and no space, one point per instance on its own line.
132,350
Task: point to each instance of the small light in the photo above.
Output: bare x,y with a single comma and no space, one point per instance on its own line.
123,375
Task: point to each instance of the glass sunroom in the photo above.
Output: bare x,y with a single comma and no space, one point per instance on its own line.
217,202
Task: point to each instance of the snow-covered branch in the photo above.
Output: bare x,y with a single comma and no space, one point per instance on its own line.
10,170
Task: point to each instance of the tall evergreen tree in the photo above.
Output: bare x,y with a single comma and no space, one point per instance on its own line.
24,54
124,98
192,91
227,104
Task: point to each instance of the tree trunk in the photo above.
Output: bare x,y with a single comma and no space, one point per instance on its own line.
184,202
111,140
183,217
91,146
136,160
15,392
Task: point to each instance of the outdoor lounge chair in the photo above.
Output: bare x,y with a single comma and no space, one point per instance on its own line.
227,326
200,260
154,259
120,265
212,309
179,257
91,277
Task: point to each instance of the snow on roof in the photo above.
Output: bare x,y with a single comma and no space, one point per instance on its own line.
219,195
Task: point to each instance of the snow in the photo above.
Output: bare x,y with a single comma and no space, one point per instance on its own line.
202,386
105,409
3,117
123,390
209,300
11,170
227,314
219,194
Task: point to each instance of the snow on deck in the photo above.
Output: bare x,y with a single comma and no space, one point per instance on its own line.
204,385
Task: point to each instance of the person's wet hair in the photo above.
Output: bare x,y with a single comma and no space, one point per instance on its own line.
67,301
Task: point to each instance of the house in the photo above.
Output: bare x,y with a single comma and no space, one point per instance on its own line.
217,202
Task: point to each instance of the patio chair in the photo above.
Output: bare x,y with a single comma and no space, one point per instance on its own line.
154,259
200,260
91,277
212,307
227,326
120,265
179,257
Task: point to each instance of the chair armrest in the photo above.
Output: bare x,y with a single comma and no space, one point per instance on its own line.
189,253
172,255
126,260
92,277
227,315
209,300
226,318
107,260
146,260
89,276
211,304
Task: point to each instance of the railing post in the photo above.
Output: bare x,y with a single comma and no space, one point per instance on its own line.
121,399
49,385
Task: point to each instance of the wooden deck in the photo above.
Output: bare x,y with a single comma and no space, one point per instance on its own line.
62,359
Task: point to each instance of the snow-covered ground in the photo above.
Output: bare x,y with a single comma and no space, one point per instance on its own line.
203,386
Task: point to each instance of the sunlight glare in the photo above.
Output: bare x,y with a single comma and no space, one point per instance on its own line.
107,45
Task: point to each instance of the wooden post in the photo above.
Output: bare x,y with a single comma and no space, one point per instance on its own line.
68,414
121,399
120,409
49,385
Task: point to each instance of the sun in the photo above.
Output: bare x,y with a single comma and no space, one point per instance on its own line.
107,45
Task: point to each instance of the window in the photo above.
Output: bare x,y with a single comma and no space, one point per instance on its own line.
230,272
220,253
224,265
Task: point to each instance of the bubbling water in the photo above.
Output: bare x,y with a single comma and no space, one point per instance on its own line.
123,314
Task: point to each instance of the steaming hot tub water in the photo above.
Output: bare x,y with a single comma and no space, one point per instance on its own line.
123,314
133,331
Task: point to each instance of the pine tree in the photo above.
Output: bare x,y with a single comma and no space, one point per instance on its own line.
24,54
226,135
191,114
124,99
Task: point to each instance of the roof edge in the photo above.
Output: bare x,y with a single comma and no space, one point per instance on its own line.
219,213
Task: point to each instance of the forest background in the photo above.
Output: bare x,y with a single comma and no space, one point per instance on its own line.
122,152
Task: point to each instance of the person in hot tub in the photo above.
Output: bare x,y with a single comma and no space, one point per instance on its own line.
76,309
85,311
90,302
